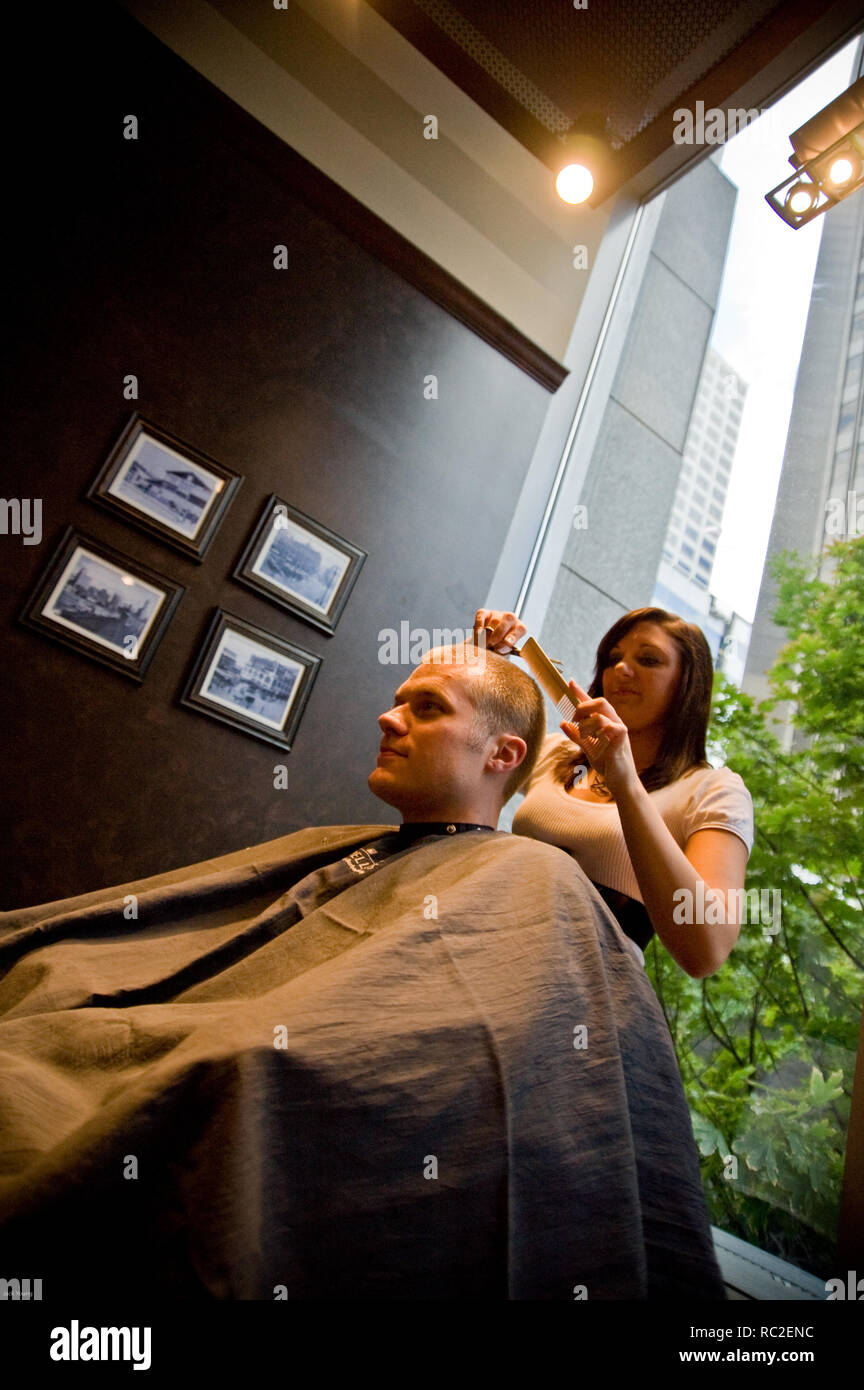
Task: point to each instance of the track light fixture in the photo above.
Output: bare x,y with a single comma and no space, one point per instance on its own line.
828,159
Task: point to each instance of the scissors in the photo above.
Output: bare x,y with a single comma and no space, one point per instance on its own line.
547,673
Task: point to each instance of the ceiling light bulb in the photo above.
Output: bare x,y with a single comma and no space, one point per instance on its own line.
841,170
801,198
575,183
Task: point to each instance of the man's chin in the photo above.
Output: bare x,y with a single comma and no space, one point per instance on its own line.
381,786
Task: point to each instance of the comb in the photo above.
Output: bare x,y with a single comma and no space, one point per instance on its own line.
548,676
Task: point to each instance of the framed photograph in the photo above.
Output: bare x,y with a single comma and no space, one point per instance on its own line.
299,564
166,487
102,604
251,679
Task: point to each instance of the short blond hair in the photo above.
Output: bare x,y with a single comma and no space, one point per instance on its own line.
506,701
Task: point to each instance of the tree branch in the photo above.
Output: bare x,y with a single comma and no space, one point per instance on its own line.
802,889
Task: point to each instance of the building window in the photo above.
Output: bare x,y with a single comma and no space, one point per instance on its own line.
704,564
846,427
685,550
691,533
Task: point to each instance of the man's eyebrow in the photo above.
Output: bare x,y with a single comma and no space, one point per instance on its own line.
436,688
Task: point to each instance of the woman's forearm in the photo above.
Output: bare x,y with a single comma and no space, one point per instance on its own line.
662,870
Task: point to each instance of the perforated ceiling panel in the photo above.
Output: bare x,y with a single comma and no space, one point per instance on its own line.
624,59
539,66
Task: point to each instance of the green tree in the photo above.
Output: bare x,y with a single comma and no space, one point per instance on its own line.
767,1045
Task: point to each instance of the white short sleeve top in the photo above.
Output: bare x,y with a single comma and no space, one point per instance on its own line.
706,798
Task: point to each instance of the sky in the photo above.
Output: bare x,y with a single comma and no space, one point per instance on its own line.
760,322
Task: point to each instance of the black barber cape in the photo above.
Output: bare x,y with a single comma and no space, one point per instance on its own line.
430,1069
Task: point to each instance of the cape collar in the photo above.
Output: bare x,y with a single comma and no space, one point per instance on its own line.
413,830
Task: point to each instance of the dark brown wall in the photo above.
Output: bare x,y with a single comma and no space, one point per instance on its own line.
155,257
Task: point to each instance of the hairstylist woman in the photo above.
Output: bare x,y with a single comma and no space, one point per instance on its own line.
626,788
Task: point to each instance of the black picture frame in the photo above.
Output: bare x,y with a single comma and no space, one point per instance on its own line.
207,687
74,597
184,511
317,596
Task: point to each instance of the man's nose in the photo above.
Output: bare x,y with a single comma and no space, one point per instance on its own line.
391,721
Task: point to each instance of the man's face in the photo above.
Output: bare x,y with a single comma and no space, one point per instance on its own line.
432,757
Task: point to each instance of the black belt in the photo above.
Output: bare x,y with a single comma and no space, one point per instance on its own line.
631,914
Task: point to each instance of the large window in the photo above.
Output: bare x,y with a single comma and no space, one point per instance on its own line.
767,1045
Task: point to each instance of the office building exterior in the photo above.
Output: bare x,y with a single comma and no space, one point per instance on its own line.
638,470
823,465
684,576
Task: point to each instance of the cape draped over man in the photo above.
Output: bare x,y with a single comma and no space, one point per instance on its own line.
239,1092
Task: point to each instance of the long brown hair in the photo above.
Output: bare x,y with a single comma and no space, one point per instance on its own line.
682,746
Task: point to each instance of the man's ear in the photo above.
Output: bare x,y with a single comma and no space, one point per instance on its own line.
508,753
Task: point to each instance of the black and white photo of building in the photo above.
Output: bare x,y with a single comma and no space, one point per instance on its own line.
250,679
167,487
302,564
98,599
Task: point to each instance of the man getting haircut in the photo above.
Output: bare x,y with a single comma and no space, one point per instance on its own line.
355,1062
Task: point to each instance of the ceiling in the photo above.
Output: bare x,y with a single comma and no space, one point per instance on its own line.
540,66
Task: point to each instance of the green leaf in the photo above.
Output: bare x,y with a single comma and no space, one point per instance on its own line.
822,1091
708,1136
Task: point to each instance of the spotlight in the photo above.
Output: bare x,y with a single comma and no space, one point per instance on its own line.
842,170
828,159
801,197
